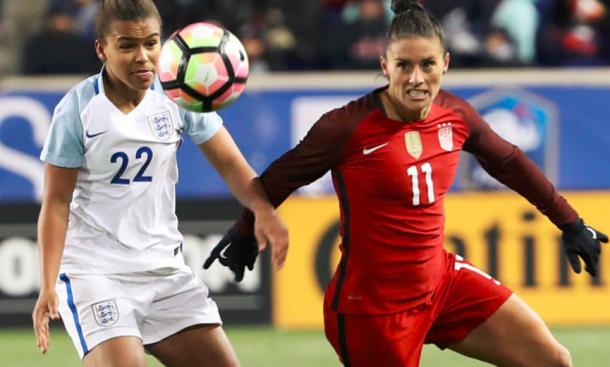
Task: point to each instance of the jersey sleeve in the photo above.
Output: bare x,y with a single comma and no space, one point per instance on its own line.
64,146
200,126
317,153
509,165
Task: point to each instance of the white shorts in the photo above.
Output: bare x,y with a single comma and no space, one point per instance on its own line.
148,305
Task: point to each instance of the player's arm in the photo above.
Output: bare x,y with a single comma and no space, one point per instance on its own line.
59,185
318,152
62,153
224,155
509,165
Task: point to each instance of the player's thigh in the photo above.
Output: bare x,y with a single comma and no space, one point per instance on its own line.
182,327
124,351
393,340
514,336
198,345
96,309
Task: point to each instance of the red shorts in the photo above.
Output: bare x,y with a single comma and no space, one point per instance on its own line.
464,299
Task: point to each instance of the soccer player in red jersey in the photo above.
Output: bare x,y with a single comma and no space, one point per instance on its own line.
393,154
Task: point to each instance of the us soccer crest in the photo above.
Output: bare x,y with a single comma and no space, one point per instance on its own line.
413,144
445,136
524,119
161,125
106,313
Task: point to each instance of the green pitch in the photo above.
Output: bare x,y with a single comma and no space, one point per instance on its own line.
270,348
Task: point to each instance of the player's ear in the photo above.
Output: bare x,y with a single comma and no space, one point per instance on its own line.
446,66
99,50
384,65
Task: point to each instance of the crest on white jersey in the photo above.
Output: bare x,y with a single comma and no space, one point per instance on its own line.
106,312
413,144
161,125
445,136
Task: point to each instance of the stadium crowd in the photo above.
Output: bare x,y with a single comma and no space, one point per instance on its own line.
347,34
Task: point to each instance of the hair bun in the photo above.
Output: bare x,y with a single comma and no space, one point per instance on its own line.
401,6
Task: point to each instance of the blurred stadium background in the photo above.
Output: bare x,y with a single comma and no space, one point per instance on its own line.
537,70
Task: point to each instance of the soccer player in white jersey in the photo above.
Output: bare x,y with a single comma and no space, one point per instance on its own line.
111,257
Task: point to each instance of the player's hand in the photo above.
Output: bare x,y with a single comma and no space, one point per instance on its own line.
271,231
235,251
582,241
44,310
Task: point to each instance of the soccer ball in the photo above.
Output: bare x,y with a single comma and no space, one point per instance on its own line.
203,67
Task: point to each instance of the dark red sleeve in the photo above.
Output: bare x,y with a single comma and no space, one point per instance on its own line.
509,165
317,153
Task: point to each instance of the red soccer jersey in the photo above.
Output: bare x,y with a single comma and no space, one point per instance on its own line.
391,178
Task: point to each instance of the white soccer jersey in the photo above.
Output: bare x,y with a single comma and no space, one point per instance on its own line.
122,214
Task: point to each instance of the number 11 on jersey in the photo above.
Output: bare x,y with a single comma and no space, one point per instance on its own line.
426,169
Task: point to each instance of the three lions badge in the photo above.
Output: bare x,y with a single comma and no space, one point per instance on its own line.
161,125
106,313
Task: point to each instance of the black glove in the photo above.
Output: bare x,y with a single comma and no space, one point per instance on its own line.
236,252
580,240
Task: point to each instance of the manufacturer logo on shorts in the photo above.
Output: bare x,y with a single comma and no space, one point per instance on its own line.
161,125
106,313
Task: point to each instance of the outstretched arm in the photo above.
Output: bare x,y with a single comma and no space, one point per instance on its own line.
509,165
317,153
224,155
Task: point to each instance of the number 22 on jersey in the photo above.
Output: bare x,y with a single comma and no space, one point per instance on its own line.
143,152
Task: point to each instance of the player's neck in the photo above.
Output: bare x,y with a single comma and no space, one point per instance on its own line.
122,96
394,110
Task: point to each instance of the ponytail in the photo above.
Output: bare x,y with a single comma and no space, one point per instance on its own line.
412,19
402,6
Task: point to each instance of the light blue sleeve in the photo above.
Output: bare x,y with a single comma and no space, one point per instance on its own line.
64,145
201,126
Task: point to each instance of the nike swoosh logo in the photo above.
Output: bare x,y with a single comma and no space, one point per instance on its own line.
222,254
89,135
367,151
